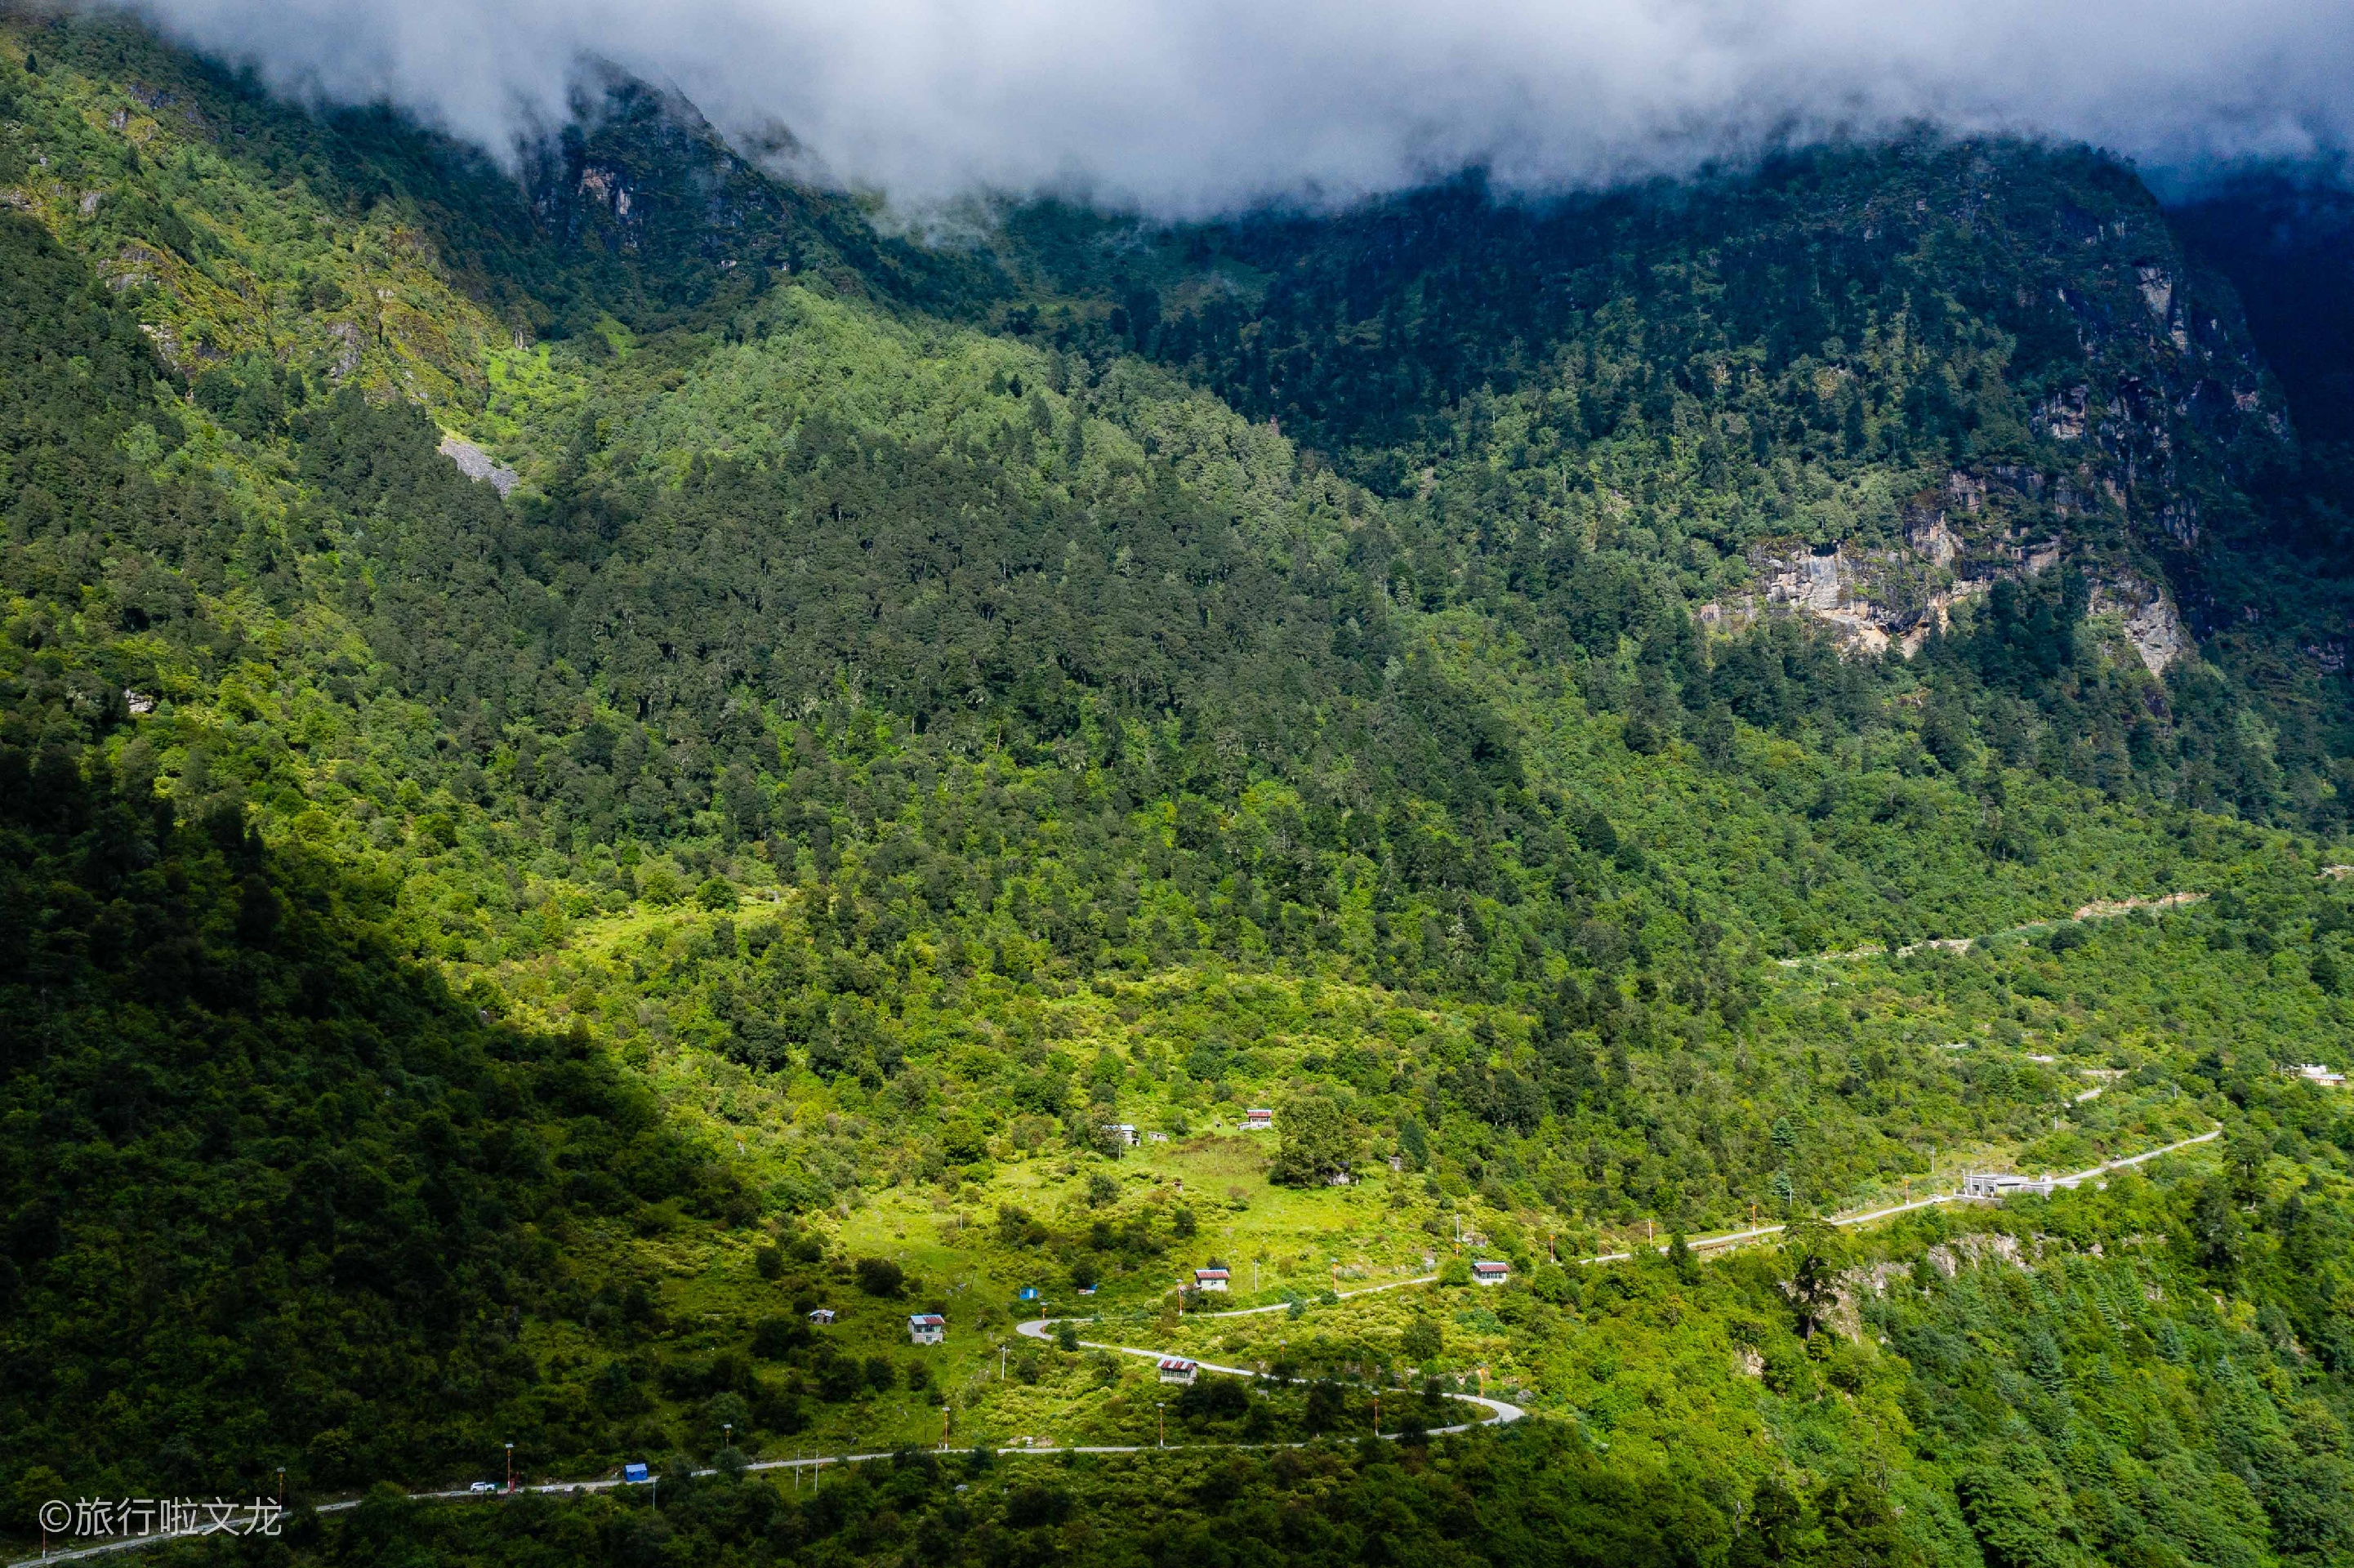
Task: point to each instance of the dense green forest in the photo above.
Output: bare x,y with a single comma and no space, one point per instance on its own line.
484,961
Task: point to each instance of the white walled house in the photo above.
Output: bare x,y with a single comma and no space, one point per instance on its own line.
1490,1273
2000,1185
926,1328
1210,1280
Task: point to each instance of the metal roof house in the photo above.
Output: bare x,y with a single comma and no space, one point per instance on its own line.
1490,1272
1177,1369
1124,1132
1258,1118
821,1316
1210,1280
926,1328
1998,1185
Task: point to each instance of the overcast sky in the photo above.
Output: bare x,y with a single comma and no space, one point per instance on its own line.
1184,108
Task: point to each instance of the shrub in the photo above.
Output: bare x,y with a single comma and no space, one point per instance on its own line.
1422,1340
962,1141
880,1277
774,1338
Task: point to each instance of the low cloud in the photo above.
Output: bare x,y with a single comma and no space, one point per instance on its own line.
1191,106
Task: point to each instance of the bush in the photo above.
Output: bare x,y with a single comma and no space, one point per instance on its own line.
1319,1141
774,1338
962,1141
1213,1399
880,1277
1422,1340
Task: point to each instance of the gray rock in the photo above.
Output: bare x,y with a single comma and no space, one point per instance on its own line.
476,463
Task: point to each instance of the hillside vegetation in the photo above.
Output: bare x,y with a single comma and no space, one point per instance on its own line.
484,963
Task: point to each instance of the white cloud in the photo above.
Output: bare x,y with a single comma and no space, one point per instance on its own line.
1188,105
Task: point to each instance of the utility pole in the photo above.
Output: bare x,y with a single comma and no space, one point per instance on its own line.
727,1434
1377,1411
510,1467
1163,1409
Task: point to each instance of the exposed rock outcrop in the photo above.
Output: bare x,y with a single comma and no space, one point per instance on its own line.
1960,540
2148,615
476,464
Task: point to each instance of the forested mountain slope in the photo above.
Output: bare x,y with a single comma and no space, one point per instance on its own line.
1451,670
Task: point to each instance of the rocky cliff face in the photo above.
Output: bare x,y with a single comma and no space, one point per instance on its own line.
1958,543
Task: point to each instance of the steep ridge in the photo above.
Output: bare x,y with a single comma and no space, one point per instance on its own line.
1866,385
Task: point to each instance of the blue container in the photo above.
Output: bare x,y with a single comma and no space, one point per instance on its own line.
633,1472
1027,1293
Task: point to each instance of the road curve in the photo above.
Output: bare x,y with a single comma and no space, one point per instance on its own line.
1499,1411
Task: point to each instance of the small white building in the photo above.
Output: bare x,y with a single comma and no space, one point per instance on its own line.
1210,1280
1124,1132
1258,1118
821,1316
1996,1186
1176,1368
926,1328
1490,1272
2319,1073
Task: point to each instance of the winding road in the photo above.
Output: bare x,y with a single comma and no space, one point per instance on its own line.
1499,1411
